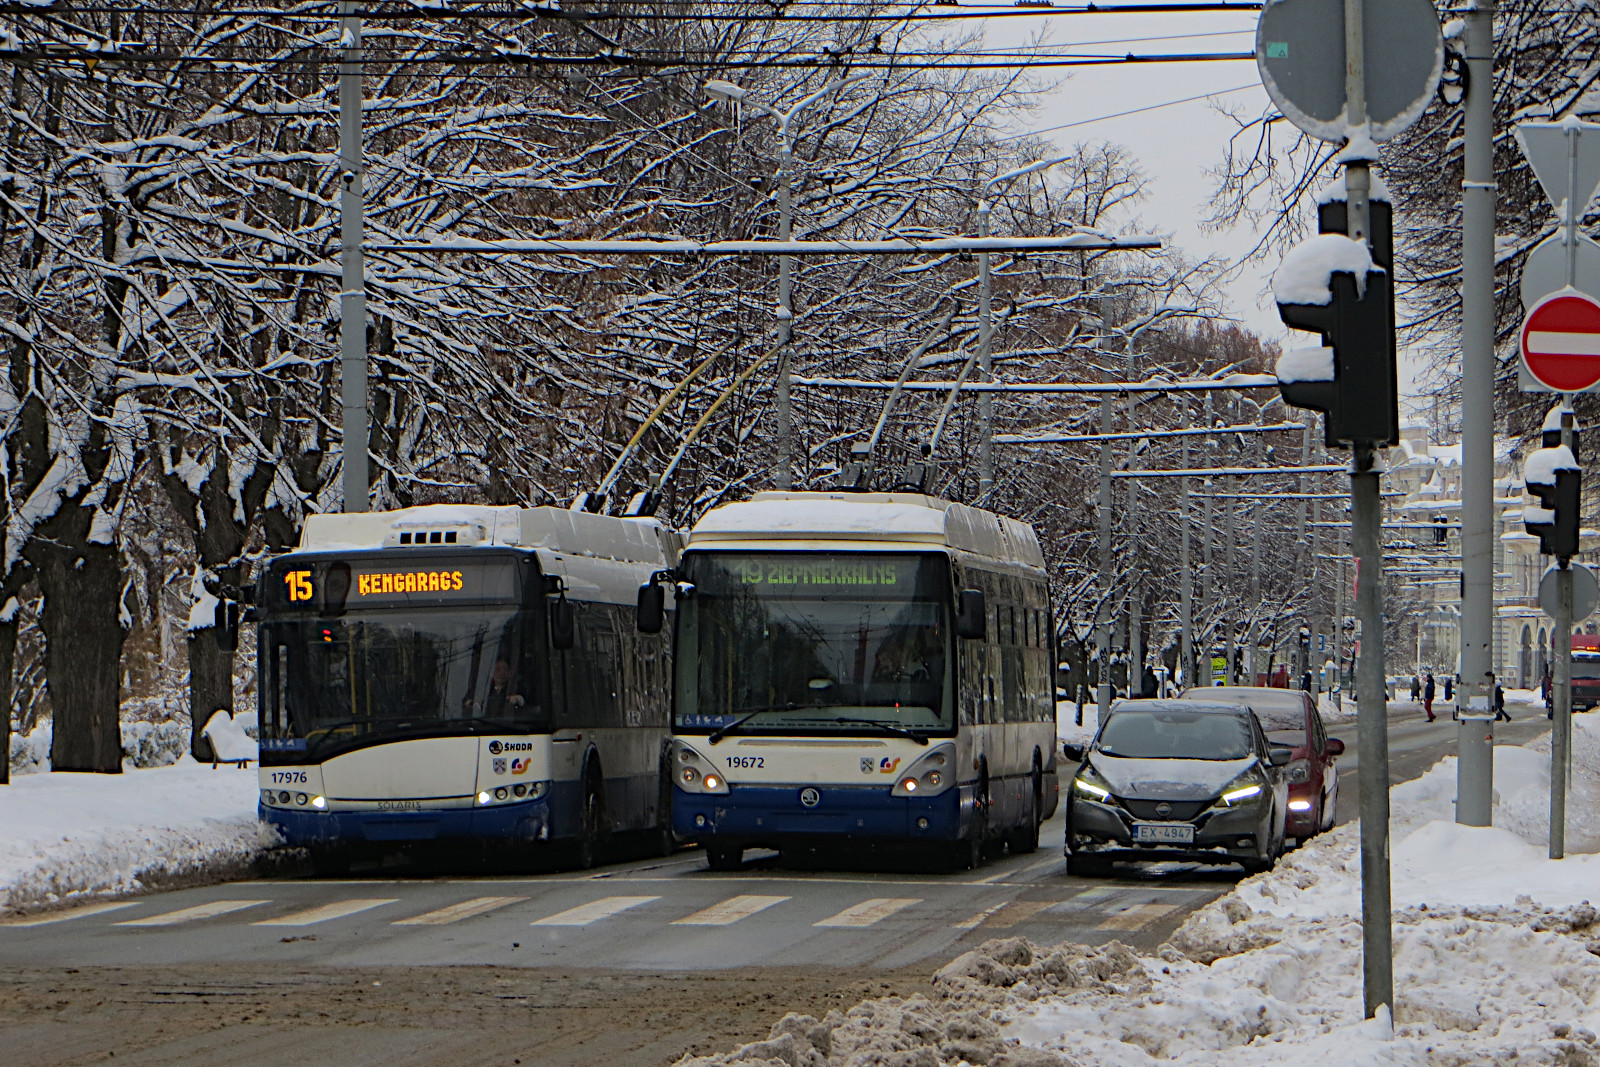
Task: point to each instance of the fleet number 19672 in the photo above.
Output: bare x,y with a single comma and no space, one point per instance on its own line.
747,763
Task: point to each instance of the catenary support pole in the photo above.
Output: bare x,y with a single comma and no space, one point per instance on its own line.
784,475
985,362
352,285
1131,521
1185,572
1103,619
1475,695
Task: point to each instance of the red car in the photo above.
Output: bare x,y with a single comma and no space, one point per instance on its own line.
1289,717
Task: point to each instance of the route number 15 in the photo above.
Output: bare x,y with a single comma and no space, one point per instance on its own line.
299,583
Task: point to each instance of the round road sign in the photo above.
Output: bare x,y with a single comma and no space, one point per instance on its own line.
1561,341
1585,591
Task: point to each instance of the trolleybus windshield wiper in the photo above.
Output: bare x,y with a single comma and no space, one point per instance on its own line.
898,731
723,731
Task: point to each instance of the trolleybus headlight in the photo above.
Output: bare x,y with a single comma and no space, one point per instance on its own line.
501,793
268,796
696,774
520,789
484,798
301,799
923,776
712,781
283,797
690,775
319,802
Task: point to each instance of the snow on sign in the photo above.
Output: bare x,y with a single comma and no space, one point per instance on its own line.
1561,342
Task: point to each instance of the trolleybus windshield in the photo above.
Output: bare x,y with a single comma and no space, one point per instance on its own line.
813,643
426,668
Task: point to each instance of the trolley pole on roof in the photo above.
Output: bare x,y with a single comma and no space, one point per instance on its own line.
352,283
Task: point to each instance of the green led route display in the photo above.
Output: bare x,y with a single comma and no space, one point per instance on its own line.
816,574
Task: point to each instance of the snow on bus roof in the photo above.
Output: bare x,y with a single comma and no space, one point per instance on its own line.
870,516
640,540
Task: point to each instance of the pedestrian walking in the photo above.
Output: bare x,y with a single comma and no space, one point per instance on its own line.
1427,696
1546,688
1500,704
1416,689
1449,688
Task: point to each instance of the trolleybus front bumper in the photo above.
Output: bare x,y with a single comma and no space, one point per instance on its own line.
523,822
777,815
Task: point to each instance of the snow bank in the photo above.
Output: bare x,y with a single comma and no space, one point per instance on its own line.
144,744
70,836
1271,973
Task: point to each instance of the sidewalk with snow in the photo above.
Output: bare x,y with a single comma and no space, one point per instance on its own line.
72,837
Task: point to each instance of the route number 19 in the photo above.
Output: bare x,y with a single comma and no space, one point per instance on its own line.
299,583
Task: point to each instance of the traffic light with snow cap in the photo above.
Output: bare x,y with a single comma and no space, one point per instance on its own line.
1351,379
1552,475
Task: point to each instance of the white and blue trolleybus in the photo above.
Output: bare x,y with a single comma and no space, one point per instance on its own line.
458,675
859,670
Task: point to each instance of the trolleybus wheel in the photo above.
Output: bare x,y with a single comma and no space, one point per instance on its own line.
586,850
1025,838
724,857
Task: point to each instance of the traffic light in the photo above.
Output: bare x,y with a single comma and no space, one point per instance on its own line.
1553,476
1356,323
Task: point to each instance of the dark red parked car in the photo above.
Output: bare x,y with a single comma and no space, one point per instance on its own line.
1289,717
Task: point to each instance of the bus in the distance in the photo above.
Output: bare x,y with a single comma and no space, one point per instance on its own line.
860,670
463,676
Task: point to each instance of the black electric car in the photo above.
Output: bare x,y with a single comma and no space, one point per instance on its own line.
1176,780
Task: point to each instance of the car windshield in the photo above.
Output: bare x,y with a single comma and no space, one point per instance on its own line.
332,682
816,643
1172,734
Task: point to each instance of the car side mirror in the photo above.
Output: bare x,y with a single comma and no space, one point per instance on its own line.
1280,755
971,619
563,626
1333,747
1071,753
652,611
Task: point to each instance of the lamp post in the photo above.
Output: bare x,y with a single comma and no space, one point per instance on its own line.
986,327
730,93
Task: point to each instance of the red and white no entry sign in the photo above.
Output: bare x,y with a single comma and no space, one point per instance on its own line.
1561,341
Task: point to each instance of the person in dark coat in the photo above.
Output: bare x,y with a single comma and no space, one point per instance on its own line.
1427,696
1416,689
1449,687
1500,704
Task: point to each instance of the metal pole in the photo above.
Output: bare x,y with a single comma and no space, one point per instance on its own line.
985,362
1230,540
784,477
1185,571
1477,406
1372,733
1366,519
1561,728
1131,518
1103,622
353,290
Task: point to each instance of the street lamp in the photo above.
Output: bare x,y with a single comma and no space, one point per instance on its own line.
730,93
985,324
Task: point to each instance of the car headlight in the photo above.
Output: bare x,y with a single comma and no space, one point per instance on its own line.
931,774
694,773
1088,783
1299,771
1245,789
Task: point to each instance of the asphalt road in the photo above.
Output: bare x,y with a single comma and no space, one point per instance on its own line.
633,964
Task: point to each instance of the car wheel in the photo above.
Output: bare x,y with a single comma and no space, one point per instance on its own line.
1085,865
724,857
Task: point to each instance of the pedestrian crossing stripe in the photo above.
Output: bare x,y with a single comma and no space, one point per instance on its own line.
74,913
594,911
456,912
1137,917
337,910
194,914
869,912
729,911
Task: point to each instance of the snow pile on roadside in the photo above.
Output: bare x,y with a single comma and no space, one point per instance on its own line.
69,836
144,744
1272,971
